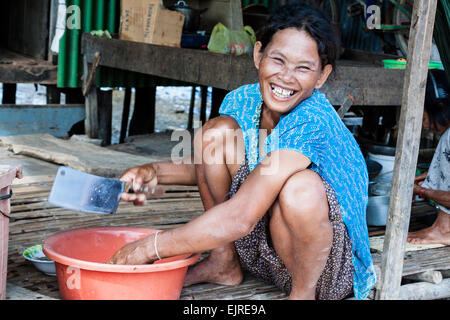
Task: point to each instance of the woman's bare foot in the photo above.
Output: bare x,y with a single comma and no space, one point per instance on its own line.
221,267
438,233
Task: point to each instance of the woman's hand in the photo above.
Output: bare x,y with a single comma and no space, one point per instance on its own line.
135,253
140,177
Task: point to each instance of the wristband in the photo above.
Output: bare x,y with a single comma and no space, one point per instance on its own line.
421,193
155,245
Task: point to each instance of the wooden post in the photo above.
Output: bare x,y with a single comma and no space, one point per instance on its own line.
217,97
236,18
53,95
105,116
91,121
125,115
9,93
191,109
204,95
143,120
407,150
7,175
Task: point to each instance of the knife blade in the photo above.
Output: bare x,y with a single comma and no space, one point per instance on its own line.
76,190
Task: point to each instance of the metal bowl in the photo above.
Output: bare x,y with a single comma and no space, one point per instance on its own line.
40,260
374,168
377,210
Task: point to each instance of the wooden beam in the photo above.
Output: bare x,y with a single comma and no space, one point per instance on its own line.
431,276
407,148
425,291
366,83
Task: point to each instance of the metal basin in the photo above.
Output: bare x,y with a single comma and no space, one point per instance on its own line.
377,210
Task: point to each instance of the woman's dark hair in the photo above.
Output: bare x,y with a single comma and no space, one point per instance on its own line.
303,18
437,99
438,112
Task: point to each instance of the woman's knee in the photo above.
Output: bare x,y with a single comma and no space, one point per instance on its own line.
219,141
303,197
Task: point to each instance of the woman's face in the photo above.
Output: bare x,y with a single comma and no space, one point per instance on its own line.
289,69
439,130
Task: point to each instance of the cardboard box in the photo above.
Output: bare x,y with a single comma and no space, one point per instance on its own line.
147,21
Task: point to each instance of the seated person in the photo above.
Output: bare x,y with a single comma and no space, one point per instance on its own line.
435,184
289,207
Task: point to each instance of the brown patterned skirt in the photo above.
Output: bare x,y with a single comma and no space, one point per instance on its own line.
260,259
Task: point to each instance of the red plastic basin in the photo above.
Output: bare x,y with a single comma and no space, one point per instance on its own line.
80,257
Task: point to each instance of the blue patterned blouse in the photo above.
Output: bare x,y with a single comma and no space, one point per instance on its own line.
314,129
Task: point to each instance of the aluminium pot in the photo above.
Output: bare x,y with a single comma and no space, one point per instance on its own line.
192,16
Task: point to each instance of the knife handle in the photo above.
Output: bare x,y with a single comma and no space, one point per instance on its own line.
128,188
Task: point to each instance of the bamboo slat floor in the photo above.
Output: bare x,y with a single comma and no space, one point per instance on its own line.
33,220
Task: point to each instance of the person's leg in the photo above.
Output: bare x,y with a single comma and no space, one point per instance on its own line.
438,233
221,158
301,231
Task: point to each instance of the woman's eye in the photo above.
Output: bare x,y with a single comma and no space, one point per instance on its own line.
277,60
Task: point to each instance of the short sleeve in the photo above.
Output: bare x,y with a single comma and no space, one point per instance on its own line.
306,135
227,107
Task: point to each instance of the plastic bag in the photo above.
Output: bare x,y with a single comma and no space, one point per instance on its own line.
224,40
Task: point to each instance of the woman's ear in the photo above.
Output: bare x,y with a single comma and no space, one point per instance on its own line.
257,54
324,76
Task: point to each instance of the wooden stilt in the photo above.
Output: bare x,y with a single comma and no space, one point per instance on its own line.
143,121
125,115
204,93
407,148
105,116
216,100
53,95
9,93
191,109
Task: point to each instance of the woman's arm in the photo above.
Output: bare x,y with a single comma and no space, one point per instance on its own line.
438,196
225,222
152,174
171,173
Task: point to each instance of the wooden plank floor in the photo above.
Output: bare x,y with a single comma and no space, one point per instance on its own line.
33,220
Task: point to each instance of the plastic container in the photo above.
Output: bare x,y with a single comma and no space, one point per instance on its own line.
7,175
401,64
80,257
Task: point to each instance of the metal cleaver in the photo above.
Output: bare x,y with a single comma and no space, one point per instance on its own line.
76,190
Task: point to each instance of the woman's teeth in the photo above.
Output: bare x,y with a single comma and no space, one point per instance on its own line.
282,93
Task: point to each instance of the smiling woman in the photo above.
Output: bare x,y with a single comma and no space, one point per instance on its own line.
288,206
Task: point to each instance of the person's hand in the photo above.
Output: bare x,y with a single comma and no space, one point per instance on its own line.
140,177
135,253
419,190
420,178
